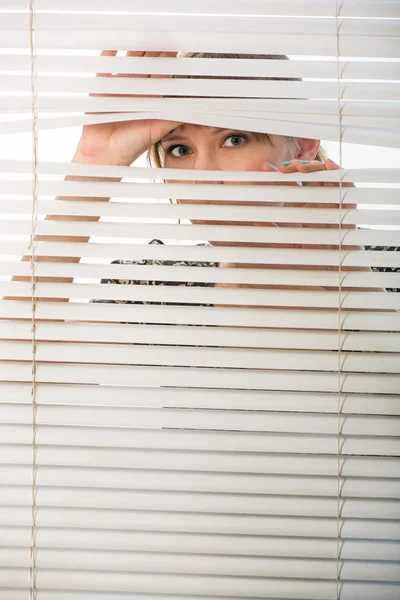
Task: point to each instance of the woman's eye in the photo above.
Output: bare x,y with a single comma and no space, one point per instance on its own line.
234,140
178,151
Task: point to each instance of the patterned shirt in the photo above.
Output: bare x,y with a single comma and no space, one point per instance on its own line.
186,263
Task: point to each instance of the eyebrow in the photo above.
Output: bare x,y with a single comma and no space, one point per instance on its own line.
170,137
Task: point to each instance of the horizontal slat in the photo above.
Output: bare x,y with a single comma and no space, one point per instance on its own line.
121,500
171,355
367,129
211,588
146,210
314,109
386,137
348,8
204,336
21,516
202,87
206,565
205,544
374,468
243,277
379,175
231,193
214,295
368,404
238,254
169,417
193,377
199,440
204,66
215,482
197,315
286,26
354,45
225,233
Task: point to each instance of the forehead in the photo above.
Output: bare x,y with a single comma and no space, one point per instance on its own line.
188,128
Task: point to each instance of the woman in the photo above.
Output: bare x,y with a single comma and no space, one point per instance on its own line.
189,146
172,144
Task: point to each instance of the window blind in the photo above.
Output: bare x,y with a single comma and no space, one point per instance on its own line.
237,437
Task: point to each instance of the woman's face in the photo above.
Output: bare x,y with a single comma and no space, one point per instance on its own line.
211,148
200,147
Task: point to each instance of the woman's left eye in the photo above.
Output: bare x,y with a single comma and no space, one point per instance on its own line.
235,140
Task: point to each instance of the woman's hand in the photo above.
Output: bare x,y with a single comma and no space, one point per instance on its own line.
123,142
312,166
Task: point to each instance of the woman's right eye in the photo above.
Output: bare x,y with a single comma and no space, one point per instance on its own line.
178,151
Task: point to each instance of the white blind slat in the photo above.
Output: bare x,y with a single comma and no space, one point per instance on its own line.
372,467
246,297
221,233
357,46
316,110
258,256
185,584
53,497
193,544
211,275
227,316
188,377
227,565
373,8
182,23
48,394
234,358
214,87
214,441
360,135
215,482
348,69
381,175
228,192
188,418
201,336
243,214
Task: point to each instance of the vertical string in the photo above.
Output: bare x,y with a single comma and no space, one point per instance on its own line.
339,405
32,248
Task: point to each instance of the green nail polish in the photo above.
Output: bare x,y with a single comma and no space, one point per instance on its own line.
332,161
285,164
304,162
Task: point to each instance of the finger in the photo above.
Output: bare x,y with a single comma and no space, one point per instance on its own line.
330,165
136,53
268,167
149,54
302,166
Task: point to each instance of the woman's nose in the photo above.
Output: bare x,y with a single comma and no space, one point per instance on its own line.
205,162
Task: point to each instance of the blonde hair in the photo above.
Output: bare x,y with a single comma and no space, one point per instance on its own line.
153,154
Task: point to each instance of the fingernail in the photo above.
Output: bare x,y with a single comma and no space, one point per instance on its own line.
272,166
304,162
332,161
285,164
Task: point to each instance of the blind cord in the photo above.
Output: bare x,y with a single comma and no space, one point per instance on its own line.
339,405
33,549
